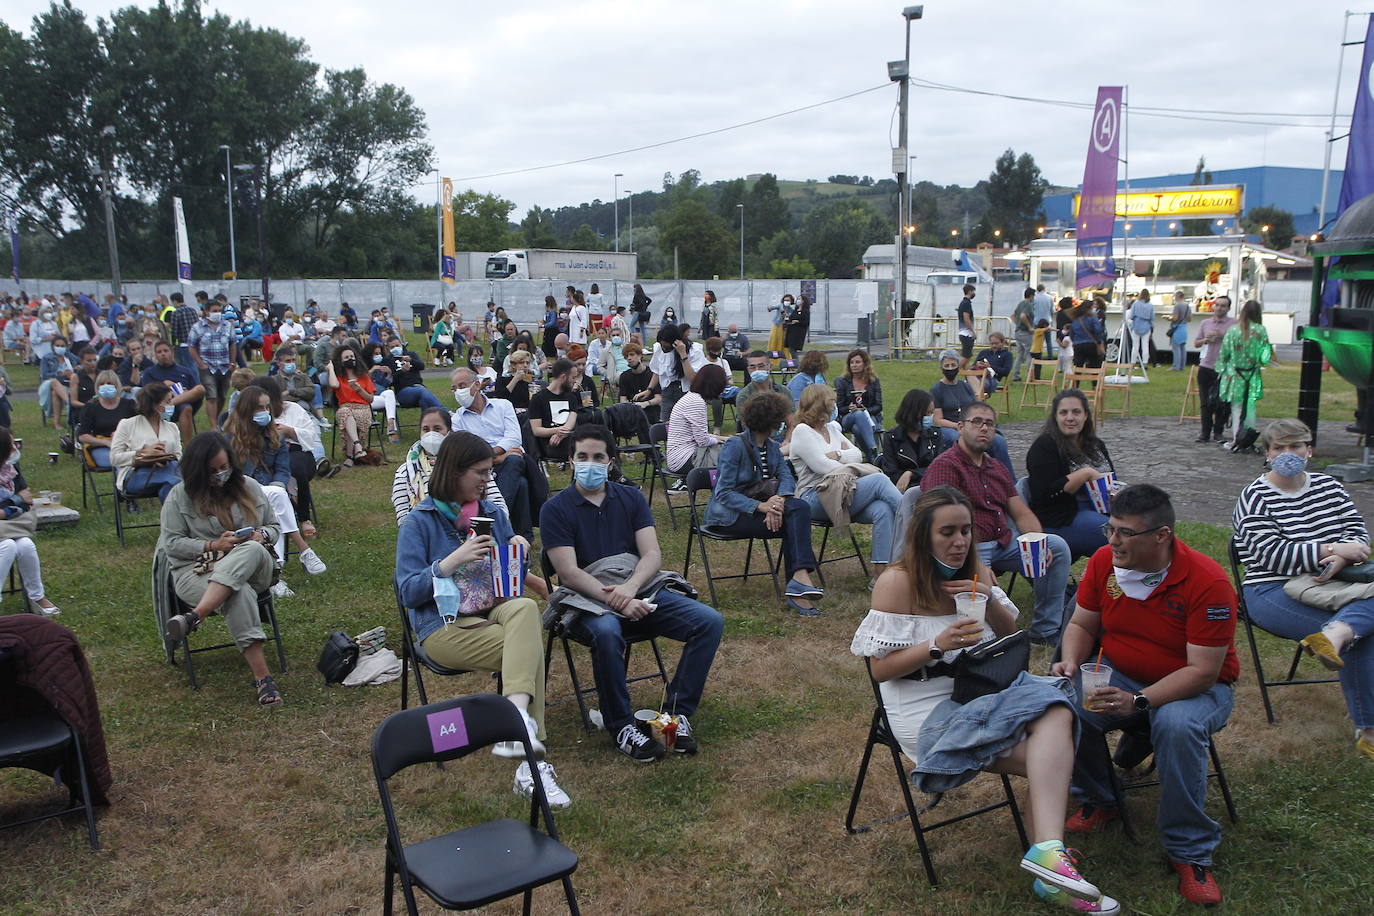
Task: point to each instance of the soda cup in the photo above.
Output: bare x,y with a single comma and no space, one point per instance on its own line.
1035,554
971,605
1095,677
1100,492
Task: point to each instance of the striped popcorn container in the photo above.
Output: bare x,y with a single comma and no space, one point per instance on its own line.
508,565
1035,555
1100,492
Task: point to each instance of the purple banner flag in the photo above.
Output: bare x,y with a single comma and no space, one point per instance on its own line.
1097,205
1358,180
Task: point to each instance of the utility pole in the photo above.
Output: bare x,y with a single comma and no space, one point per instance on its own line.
106,192
740,207
899,71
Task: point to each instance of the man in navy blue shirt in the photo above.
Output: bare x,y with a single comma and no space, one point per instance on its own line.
187,391
594,519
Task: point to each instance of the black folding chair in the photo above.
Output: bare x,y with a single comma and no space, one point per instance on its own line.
15,586
472,867
376,435
880,732
556,630
124,503
658,437
43,742
267,610
1244,613
415,657
1138,727
821,559
90,474
699,479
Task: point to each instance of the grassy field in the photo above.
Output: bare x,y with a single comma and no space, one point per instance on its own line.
219,807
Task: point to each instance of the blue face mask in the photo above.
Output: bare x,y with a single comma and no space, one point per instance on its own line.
590,475
616,341
377,357
168,411
288,368
835,412
928,421
262,417
1288,464
943,570
760,375
396,351
59,351
107,391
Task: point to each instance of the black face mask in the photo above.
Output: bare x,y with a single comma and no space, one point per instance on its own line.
950,374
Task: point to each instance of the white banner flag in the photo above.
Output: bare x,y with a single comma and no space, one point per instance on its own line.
183,243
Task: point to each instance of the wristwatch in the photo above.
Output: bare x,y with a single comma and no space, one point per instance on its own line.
1141,702
936,652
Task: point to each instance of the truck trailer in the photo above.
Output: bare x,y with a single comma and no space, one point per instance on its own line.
559,264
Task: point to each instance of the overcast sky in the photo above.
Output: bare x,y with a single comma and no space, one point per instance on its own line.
513,86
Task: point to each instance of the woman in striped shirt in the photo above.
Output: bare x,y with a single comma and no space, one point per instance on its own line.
691,444
1290,522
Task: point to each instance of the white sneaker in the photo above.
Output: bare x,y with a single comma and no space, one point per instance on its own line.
312,563
524,784
324,423
282,590
514,749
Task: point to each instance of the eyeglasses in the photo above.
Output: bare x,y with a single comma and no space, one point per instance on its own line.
483,473
982,424
1109,530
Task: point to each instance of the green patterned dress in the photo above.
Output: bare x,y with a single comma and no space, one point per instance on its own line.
1240,359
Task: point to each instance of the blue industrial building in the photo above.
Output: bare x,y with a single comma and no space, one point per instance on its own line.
1292,189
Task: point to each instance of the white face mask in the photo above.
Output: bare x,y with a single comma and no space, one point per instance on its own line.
13,459
465,397
1139,585
431,441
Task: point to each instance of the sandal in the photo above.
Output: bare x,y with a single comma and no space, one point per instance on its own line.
308,529
347,463
268,694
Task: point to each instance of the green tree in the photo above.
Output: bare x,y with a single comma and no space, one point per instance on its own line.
538,229
767,211
795,267
731,194
703,241
835,234
481,222
1272,225
1015,191
584,238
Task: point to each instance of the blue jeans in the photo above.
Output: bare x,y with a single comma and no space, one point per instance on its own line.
1084,533
1051,610
510,480
998,450
859,423
416,396
876,502
1180,354
677,617
186,360
796,533
152,481
317,402
1180,732
1271,609
100,457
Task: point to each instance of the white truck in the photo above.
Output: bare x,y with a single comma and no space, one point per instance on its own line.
559,264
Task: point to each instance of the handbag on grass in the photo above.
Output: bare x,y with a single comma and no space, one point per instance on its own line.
337,657
991,666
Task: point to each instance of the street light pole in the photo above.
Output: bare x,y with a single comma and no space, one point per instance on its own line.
740,207
439,234
106,193
630,223
900,73
615,184
229,198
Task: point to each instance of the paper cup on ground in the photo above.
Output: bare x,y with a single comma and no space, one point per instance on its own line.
508,565
1100,492
1035,554
973,605
1095,677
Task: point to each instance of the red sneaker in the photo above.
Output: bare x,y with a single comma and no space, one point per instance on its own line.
1196,884
1089,819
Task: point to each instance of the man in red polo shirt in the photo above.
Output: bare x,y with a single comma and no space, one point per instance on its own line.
1165,616
969,468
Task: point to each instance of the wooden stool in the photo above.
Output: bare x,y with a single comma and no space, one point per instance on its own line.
1191,396
1031,386
1123,409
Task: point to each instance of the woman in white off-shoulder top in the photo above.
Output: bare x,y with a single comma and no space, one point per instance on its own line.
912,633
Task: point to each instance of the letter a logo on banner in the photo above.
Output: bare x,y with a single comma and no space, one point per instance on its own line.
1097,206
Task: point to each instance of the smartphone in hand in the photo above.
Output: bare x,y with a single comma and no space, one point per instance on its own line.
244,532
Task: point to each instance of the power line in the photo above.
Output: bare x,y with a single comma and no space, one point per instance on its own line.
1182,114
661,143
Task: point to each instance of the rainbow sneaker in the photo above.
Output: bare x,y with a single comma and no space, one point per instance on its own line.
1054,895
1052,863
